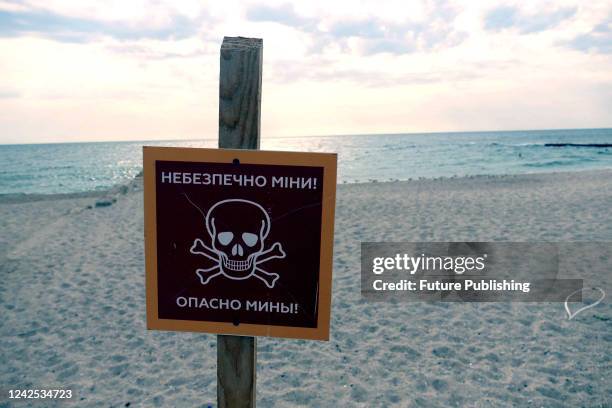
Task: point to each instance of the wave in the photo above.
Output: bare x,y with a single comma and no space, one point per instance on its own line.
517,144
18,198
552,163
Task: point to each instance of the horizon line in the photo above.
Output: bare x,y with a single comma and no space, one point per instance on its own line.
312,136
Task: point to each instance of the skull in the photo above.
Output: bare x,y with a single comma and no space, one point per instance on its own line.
238,229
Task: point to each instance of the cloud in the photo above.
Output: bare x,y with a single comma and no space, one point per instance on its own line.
379,36
507,17
598,40
73,29
374,35
9,94
392,46
433,30
284,14
152,53
501,17
322,71
151,67
370,28
142,52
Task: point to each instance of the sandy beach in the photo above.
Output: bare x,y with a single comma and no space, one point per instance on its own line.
73,309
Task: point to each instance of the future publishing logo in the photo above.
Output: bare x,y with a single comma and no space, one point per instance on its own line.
449,265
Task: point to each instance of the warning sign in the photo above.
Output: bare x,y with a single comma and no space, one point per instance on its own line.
239,241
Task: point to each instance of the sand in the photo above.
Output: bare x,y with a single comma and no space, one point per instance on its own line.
73,314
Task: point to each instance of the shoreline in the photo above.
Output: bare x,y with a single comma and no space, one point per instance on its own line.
16,198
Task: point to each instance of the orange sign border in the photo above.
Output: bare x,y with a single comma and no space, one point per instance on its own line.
326,160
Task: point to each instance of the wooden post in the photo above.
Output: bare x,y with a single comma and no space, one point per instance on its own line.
240,93
236,367
239,128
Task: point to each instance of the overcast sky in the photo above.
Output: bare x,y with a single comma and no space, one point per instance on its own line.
125,70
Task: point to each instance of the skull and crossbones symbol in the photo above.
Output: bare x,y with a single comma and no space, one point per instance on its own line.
238,229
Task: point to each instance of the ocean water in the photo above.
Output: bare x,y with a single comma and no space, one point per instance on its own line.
78,167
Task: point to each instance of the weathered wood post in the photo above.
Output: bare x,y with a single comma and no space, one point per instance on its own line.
239,128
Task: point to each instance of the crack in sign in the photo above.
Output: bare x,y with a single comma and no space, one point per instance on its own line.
238,229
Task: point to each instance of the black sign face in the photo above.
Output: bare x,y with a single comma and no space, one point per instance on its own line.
239,243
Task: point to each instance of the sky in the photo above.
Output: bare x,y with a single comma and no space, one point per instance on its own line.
149,69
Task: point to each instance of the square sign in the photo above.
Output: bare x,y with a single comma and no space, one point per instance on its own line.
239,241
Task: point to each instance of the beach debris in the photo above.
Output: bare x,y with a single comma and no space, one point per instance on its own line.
571,315
237,229
103,203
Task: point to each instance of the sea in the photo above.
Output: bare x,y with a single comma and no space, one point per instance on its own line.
80,167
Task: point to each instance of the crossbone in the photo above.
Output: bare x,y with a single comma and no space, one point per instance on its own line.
200,248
